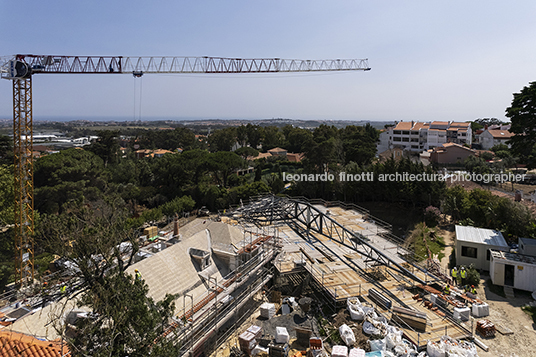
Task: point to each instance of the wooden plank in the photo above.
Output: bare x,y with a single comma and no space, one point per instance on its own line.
503,330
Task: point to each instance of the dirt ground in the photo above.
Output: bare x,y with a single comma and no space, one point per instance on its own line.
503,311
508,313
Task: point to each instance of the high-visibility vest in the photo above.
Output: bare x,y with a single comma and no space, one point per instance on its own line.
138,276
62,289
464,274
473,291
454,273
447,290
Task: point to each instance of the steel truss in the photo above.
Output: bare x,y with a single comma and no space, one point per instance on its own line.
23,175
142,65
305,219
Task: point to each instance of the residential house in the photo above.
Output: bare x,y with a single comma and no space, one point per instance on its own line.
278,152
450,153
151,153
394,153
491,137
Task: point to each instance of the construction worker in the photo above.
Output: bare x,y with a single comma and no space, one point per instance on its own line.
473,290
447,289
455,276
63,289
138,275
463,275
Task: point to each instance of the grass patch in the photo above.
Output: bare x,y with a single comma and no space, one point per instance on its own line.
435,243
531,311
496,289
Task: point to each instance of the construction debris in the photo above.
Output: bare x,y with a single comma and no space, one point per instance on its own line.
447,346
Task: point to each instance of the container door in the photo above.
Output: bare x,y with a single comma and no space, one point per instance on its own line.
509,275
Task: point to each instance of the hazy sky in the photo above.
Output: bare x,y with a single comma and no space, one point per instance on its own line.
448,60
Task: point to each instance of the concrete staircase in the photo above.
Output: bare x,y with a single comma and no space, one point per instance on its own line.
509,292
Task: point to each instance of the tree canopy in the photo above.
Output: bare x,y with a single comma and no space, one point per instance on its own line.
522,114
123,321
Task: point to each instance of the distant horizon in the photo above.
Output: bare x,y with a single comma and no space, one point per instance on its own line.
159,118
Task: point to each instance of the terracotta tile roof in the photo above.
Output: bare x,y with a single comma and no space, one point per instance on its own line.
501,134
419,125
459,125
445,146
13,344
403,125
295,157
276,150
440,123
262,155
162,152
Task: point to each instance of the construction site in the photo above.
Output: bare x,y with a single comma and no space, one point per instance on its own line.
283,276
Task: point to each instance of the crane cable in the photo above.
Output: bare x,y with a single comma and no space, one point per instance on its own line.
140,97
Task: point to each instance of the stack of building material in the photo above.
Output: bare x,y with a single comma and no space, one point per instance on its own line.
247,342
380,299
356,352
409,317
461,313
339,351
267,310
281,335
486,328
150,232
480,310
256,331
315,343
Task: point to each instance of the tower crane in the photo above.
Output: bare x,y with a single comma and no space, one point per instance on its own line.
20,69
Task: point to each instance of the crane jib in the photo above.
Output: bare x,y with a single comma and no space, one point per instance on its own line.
22,66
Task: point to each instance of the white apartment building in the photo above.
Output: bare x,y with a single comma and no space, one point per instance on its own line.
418,137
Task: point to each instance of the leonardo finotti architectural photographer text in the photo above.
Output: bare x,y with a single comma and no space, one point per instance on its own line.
404,176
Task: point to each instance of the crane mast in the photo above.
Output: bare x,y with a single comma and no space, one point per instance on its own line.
21,67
